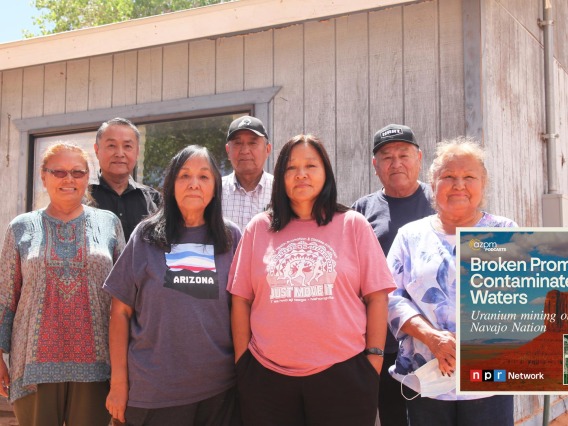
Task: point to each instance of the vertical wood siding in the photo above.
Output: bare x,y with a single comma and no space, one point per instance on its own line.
77,86
320,82
341,79
386,89
230,64
258,60
352,104
288,118
176,71
124,79
201,68
11,109
513,113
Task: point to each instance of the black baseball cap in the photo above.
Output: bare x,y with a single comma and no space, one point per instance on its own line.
393,133
247,123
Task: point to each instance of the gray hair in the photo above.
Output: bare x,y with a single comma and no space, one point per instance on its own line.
118,121
461,146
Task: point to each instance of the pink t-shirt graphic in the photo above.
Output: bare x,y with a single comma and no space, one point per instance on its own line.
301,269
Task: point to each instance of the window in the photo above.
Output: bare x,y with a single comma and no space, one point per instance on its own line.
159,142
163,140
165,127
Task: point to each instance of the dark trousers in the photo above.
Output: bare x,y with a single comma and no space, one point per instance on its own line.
343,395
72,403
493,411
219,410
392,405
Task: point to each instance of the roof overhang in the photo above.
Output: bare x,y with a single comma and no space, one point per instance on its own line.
223,19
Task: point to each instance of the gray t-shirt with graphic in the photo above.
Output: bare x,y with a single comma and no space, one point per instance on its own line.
180,349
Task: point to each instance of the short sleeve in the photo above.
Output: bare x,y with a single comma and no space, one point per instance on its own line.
121,283
239,282
401,307
10,287
374,272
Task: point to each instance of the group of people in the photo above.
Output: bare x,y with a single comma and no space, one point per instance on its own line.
251,299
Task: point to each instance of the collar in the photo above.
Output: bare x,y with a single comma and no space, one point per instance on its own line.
236,185
132,184
418,190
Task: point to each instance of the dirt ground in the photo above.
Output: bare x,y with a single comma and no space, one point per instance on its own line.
7,417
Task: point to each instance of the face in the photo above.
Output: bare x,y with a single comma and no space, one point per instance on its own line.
194,186
305,176
66,190
117,151
247,153
397,164
459,186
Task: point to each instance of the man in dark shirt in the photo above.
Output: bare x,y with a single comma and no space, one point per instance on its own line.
397,160
117,146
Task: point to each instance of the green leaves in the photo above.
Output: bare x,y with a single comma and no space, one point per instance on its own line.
65,15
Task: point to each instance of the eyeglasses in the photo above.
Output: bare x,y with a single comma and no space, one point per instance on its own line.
76,174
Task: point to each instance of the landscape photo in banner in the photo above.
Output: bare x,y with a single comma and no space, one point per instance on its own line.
513,310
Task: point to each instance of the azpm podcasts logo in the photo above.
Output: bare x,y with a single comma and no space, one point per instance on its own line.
476,245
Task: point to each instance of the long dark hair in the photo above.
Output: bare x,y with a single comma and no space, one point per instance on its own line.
164,227
325,205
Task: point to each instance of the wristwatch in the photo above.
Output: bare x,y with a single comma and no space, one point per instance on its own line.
374,351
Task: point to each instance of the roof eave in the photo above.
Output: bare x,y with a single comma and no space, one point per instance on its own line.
223,19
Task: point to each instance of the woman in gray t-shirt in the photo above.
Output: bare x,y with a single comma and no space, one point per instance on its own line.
170,339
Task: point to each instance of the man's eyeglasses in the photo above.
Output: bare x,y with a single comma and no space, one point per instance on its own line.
76,174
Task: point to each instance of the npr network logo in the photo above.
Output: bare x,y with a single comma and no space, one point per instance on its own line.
487,375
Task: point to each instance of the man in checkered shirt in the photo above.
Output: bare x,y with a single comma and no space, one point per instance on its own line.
247,190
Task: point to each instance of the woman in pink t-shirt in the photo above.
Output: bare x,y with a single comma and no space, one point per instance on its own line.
309,284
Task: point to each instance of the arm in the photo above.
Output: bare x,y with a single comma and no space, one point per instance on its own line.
240,325
120,242
401,306
4,376
11,280
119,331
441,343
376,324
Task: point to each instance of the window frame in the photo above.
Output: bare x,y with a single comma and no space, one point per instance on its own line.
258,101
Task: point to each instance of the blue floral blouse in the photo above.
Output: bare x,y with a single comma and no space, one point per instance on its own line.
423,263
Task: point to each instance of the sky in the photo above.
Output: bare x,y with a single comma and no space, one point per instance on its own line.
15,18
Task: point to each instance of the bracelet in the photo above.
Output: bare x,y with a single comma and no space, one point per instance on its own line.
374,351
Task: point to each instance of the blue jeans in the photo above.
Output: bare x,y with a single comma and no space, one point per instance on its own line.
493,411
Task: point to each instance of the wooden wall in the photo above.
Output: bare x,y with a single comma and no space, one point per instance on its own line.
342,79
513,109
560,12
513,92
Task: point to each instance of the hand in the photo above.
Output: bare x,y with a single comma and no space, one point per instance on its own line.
442,344
377,362
4,378
238,356
116,401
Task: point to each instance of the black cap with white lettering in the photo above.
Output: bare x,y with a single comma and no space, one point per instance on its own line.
247,123
393,133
